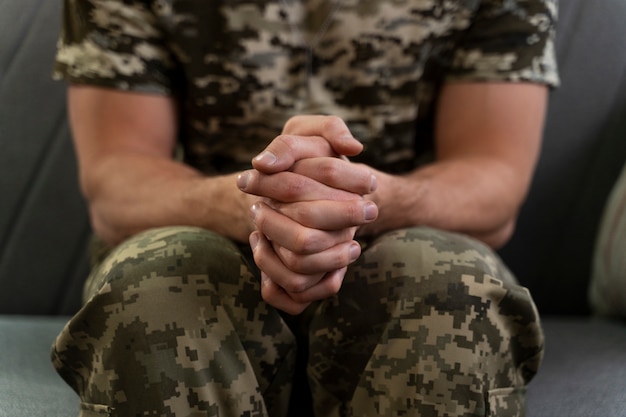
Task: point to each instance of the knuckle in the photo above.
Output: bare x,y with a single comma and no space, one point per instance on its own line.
291,123
332,123
279,298
353,212
301,298
291,260
333,286
305,214
365,175
294,187
329,171
305,242
286,141
341,256
297,285
288,258
273,297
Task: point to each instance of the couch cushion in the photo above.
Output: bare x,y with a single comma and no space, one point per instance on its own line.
608,280
583,152
583,373
584,370
29,386
43,221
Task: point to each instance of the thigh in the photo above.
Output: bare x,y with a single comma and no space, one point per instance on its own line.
174,323
427,323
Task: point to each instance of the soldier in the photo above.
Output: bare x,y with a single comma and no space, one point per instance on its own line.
295,204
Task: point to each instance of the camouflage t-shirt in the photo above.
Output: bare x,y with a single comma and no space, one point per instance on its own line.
241,68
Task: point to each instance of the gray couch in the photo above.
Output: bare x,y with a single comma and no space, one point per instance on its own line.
44,228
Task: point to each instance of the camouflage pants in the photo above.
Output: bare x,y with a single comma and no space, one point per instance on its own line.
427,323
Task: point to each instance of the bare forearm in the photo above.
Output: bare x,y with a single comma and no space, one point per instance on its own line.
487,142
124,142
130,193
478,197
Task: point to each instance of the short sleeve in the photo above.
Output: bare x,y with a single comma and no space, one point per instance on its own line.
509,40
114,43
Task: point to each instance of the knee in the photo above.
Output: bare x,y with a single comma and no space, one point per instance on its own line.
165,300
169,278
167,255
458,289
424,255
422,272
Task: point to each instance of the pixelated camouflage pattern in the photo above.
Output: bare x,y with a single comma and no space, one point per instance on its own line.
242,68
175,326
438,325
427,323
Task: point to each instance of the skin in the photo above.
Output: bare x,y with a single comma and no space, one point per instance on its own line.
304,201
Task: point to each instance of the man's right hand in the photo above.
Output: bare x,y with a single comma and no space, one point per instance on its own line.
311,205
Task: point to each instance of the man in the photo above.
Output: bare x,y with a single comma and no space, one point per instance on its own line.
352,244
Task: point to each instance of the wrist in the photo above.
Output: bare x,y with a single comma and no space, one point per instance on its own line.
217,204
400,201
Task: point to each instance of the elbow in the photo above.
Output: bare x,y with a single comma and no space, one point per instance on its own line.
107,216
104,222
498,237
108,230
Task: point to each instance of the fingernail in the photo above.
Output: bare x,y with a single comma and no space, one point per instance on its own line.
266,158
370,211
355,251
242,180
254,240
373,183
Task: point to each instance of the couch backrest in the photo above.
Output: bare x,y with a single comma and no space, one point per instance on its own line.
43,223
584,151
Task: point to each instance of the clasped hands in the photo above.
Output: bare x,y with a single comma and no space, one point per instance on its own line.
311,203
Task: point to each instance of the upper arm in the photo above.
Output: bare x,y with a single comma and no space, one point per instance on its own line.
498,125
106,123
